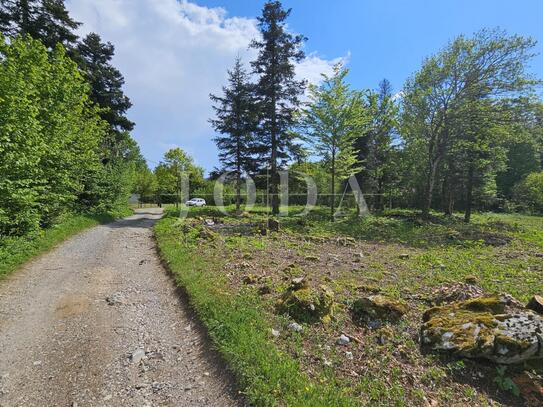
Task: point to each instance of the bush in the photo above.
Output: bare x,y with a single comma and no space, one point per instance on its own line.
529,193
49,135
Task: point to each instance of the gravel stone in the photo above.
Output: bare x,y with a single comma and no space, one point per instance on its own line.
55,311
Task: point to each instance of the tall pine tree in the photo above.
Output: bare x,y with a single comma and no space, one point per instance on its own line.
277,89
236,120
44,20
94,58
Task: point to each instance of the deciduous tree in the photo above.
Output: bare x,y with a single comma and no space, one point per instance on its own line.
334,117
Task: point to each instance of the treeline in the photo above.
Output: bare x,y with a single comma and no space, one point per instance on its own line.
64,135
465,131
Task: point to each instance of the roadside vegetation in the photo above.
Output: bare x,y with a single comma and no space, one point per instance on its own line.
237,280
67,160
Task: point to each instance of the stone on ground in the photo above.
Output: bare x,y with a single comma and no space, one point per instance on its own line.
480,328
536,304
305,303
379,307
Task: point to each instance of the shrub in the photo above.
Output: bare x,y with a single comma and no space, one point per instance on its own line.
529,193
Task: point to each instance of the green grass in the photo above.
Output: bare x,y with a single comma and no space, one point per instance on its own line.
15,251
239,329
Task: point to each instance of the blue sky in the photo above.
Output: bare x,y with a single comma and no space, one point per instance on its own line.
390,38
174,53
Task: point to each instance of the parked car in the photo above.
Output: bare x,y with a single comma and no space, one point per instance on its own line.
196,202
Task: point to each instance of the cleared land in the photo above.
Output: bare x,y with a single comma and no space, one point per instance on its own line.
239,277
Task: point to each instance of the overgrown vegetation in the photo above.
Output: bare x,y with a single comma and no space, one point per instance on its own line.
238,327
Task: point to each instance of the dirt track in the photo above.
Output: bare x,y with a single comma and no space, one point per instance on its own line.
98,322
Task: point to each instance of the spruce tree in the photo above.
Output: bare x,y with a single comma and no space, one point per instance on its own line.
44,20
94,58
236,119
277,90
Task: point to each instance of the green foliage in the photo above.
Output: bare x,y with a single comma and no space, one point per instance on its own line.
106,84
44,20
145,183
108,188
236,119
333,118
505,382
456,111
49,135
529,193
376,153
175,171
277,91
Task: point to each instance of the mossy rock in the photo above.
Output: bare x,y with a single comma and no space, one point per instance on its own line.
308,304
379,307
208,234
293,270
479,328
456,292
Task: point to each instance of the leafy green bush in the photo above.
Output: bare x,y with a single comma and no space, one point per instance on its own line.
529,193
49,135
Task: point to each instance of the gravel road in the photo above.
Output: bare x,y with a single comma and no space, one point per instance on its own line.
98,322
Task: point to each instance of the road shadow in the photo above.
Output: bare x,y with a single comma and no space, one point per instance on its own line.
142,218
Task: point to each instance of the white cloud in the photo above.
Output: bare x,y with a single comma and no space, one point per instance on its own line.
173,54
313,66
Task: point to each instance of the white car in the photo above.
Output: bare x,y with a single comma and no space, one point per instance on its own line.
196,202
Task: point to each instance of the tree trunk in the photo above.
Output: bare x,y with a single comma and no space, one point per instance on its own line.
238,192
379,198
430,181
274,187
469,195
238,180
446,194
177,195
333,195
25,17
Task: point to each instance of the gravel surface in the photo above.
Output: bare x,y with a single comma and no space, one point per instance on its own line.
98,322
